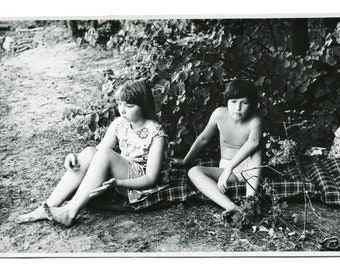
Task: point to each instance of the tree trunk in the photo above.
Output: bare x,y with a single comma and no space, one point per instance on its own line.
330,24
73,28
94,24
299,38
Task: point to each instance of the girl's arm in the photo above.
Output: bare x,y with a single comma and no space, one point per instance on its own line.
203,139
109,140
153,168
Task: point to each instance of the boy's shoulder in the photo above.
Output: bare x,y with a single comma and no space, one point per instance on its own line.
255,119
220,111
256,115
220,115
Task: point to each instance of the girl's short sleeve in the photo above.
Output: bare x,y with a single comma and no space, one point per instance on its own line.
114,127
159,132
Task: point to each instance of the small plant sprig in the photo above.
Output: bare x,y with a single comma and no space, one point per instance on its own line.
244,216
253,213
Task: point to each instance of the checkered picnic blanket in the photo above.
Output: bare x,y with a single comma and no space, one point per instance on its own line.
325,174
317,176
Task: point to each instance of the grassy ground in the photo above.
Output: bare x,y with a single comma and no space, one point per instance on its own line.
36,86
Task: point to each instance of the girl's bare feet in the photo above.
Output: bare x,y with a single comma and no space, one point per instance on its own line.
59,215
35,215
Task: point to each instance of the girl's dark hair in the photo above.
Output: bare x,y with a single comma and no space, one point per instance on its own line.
137,92
241,89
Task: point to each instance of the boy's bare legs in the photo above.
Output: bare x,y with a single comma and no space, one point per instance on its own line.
105,164
204,180
64,189
253,176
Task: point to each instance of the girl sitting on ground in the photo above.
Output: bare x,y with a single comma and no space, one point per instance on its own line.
143,146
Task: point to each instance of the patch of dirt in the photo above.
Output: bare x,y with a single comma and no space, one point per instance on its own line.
36,87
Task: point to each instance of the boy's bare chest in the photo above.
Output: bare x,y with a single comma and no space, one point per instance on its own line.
233,135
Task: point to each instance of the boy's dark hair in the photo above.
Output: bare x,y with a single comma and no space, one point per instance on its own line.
241,89
136,92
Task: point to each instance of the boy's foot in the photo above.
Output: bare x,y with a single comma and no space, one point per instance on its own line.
37,214
232,211
228,215
59,215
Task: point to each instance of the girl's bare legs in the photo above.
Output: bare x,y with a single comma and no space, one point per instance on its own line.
203,179
105,164
65,188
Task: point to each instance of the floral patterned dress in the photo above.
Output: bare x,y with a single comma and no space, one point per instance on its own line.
135,146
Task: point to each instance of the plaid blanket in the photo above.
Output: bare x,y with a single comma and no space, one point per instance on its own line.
325,174
317,176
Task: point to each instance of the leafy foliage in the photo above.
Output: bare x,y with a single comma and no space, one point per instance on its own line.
257,211
188,62
245,217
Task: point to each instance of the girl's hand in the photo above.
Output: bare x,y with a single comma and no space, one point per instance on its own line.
104,187
178,161
222,180
71,163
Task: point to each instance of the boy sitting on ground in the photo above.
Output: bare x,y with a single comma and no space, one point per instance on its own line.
240,134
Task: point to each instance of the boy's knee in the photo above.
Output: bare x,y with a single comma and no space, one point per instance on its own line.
192,173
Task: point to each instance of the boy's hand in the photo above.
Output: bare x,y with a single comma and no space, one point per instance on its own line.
104,187
178,161
71,163
222,180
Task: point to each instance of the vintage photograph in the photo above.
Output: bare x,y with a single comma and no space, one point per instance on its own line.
155,136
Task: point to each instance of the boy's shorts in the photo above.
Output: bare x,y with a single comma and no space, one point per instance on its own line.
237,171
